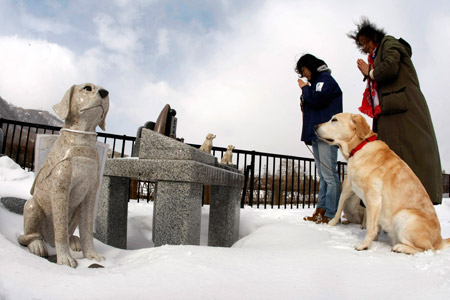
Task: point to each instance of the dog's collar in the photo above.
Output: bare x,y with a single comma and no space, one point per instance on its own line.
78,131
362,144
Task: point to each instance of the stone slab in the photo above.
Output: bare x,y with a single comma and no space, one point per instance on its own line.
172,170
154,145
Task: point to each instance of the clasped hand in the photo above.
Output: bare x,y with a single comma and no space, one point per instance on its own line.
363,67
302,83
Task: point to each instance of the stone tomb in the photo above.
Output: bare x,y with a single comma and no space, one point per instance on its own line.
180,172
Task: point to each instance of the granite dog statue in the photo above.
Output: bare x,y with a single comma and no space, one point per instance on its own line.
64,190
207,144
228,156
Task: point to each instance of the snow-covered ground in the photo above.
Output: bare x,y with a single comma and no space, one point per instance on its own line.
278,256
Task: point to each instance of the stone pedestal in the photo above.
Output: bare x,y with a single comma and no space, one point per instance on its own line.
180,172
224,215
177,213
112,212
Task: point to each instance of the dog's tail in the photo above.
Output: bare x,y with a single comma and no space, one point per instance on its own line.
26,239
445,243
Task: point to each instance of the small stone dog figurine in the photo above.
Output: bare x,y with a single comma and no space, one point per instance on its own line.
64,190
207,144
227,158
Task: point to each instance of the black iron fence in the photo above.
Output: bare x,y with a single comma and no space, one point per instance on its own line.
19,139
271,180
446,185
274,180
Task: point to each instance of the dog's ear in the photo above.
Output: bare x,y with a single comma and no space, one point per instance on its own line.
362,128
62,109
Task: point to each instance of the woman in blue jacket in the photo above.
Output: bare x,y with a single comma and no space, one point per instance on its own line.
321,99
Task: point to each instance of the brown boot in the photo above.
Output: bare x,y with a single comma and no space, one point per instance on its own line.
317,215
324,220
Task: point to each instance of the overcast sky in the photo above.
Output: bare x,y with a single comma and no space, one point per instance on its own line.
225,66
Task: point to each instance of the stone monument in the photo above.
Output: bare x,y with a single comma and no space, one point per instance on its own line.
180,171
65,188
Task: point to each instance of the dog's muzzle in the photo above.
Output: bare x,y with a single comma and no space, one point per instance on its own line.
99,102
316,131
103,93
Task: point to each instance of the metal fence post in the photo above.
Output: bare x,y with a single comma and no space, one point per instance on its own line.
244,190
2,135
252,178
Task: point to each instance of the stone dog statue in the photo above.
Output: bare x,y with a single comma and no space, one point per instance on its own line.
207,144
64,190
227,158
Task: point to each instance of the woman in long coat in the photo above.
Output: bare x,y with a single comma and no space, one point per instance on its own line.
400,111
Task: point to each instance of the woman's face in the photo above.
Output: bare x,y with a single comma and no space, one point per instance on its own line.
306,73
368,44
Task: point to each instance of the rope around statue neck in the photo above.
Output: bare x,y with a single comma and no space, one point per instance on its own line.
79,131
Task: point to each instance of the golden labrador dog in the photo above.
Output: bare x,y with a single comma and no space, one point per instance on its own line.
395,199
64,190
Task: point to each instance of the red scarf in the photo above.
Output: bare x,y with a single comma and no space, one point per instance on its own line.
370,103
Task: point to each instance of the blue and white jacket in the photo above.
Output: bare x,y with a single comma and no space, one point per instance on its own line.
321,100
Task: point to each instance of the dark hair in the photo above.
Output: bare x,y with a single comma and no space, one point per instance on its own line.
312,63
368,30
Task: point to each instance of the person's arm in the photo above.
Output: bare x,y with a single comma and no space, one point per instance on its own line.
320,94
388,67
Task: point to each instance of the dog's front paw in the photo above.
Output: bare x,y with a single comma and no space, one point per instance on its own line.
94,255
75,243
38,248
361,246
333,221
66,260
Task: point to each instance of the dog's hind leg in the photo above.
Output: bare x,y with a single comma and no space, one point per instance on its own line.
364,221
345,194
413,234
403,248
33,216
74,243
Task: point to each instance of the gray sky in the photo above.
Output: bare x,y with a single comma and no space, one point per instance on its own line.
226,66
